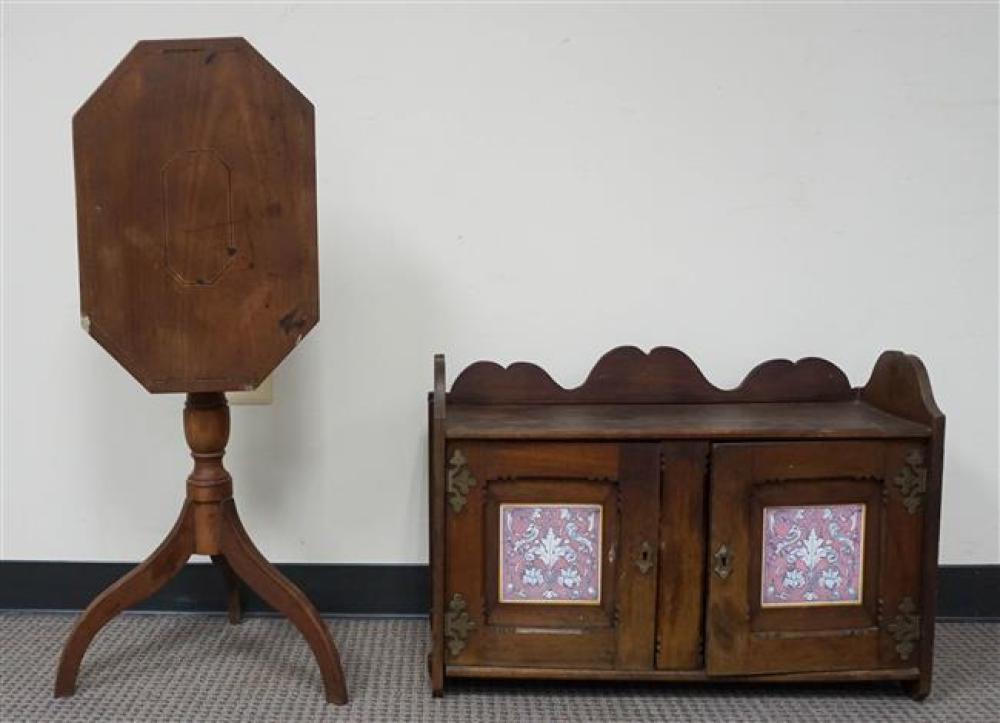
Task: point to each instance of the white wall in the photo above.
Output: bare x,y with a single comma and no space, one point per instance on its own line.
523,182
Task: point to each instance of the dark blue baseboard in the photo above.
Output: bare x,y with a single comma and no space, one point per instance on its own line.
334,589
969,592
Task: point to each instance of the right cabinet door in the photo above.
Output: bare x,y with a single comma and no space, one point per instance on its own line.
814,558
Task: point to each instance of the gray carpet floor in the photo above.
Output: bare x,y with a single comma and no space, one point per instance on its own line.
146,667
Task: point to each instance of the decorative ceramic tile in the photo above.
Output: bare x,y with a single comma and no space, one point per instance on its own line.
813,555
550,553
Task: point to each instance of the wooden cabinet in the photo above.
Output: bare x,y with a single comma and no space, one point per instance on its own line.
647,525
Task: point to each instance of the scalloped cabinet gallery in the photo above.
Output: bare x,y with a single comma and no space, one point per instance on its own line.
650,526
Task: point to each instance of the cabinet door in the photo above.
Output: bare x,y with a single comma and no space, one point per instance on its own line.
551,554
814,556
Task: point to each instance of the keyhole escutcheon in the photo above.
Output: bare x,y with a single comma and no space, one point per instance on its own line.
645,559
723,562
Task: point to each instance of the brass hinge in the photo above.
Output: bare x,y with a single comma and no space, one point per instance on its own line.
460,480
912,481
905,628
457,624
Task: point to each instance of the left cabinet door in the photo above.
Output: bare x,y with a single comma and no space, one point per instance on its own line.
551,554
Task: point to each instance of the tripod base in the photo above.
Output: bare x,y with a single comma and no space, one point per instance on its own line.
208,525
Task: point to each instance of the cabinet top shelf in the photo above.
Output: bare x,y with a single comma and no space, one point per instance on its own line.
631,394
799,420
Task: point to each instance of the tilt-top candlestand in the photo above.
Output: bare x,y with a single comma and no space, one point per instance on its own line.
208,525
195,166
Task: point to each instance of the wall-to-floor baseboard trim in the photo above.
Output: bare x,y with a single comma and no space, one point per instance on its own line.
965,592
969,592
334,589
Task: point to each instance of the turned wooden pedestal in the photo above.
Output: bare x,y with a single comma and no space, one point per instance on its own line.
208,525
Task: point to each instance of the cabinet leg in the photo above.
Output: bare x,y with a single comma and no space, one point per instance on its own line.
918,689
437,682
140,583
235,599
279,592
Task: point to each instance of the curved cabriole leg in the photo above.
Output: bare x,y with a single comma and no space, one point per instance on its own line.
140,583
235,604
279,592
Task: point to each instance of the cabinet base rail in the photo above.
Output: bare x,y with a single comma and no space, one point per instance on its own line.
678,676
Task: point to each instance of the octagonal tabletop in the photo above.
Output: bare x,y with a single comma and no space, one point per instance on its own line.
196,213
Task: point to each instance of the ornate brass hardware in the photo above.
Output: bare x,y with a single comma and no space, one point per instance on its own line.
912,481
457,624
460,480
905,628
645,559
723,562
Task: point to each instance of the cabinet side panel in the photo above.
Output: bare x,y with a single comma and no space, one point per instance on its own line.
682,556
436,547
900,385
436,543
921,688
